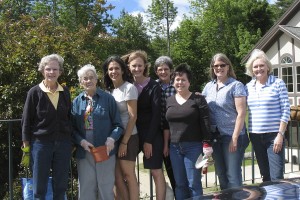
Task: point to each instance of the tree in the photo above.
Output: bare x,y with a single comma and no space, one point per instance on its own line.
22,44
131,32
68,13
188,49
280,7
13,9
226,25
75,13
162,14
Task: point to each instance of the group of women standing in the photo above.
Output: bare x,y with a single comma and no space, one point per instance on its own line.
129,116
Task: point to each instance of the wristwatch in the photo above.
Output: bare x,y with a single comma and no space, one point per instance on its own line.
281,132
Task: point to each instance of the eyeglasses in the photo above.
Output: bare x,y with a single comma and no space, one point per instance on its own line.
221,65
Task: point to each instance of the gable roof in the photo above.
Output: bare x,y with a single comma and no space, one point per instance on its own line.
278,29
292,31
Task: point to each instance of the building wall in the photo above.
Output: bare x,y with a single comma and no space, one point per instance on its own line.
273,54
297,51
295,21
286,46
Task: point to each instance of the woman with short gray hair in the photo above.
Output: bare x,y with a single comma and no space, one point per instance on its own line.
46,128
96,121
53,57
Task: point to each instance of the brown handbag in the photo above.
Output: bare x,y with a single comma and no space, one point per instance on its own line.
99,153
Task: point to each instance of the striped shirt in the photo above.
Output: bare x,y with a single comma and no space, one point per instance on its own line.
267,106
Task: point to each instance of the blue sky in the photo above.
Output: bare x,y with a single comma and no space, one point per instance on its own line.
140,6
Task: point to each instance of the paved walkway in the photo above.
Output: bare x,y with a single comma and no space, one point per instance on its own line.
209,180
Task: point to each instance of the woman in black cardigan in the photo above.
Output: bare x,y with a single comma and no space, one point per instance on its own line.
148,118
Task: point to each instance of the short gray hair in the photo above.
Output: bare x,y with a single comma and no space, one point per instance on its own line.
257,54
53,57
83,70
163,60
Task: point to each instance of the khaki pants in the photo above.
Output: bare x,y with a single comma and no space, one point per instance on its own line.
96,180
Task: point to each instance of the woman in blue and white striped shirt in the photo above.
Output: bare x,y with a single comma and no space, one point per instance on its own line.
269,111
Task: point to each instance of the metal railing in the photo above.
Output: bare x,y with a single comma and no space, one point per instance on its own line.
292,158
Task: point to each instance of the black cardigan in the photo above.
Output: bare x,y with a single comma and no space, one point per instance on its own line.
40,120
149,111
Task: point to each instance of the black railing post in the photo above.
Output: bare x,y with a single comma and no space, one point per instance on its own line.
10,159
151,186
298,143
252,166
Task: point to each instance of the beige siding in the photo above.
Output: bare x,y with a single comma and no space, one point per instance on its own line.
297,51
272,54
295,21
286,45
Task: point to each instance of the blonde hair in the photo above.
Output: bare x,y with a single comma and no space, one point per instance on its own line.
137,54
255,55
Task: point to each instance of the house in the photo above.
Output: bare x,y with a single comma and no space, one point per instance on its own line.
282,45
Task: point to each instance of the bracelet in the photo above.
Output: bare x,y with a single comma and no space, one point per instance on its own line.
281,132
124,143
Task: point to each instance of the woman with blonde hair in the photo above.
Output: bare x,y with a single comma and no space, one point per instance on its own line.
269,112
148,118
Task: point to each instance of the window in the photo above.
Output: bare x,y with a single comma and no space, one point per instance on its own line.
287,72
276,72
298,78
286,60
287,77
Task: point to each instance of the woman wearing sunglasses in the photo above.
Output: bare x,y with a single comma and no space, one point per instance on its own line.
226,98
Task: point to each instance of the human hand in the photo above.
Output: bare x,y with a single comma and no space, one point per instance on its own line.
166,151
122,150
278,143
110,144
233,145
207,149
86,145
147,150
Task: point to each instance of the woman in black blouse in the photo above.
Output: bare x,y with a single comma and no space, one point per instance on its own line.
148,118
188,119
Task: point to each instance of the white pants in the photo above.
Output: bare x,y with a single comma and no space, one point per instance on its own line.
96,180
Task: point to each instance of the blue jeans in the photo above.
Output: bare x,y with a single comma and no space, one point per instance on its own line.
183,157
47,155
228,164
263,147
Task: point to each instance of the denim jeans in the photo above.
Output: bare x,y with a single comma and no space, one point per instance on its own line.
188,179
47,155
228,164
270,164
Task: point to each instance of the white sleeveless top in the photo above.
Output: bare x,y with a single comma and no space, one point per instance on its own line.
125,92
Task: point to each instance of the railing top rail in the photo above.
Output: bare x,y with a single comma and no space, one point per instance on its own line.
10,120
